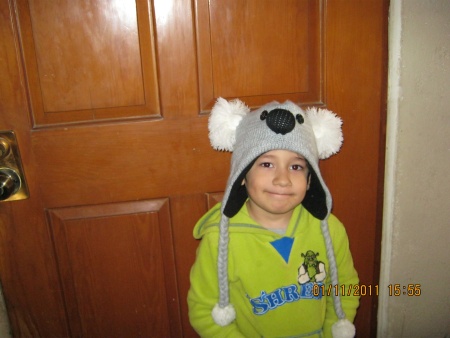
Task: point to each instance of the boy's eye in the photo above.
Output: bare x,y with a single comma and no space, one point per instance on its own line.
266,164
296,167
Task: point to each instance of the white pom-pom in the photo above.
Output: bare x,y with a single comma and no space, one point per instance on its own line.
343,328
223,316
223,121
327,129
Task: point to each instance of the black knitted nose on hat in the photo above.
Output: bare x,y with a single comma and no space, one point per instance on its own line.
281,121
315,134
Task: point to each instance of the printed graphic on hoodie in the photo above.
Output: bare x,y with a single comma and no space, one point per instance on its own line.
311,272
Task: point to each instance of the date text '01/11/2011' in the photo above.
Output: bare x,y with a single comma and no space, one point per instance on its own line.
366,290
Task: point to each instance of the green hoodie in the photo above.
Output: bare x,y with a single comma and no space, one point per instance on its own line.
279,284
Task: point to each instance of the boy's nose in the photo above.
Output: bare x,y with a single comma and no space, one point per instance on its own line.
282,178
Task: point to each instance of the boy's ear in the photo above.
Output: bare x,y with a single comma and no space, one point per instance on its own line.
243,181
309,181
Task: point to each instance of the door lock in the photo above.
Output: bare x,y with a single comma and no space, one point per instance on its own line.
13,186
9,183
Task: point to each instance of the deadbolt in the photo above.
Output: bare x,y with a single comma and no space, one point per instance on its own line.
4,148
12,179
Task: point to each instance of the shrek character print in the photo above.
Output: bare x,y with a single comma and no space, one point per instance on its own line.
312,270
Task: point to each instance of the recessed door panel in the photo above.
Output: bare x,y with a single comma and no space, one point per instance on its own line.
116,265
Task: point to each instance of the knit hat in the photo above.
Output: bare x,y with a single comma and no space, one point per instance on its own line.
315,134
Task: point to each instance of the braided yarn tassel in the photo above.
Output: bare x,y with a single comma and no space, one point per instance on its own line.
343,328
223,312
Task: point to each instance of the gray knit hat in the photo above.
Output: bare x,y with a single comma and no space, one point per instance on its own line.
315,134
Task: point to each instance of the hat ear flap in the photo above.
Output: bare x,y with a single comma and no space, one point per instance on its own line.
223,121
327,127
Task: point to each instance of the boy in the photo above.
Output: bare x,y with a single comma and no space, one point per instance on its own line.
273,261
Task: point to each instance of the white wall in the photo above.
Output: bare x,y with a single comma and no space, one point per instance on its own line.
416,226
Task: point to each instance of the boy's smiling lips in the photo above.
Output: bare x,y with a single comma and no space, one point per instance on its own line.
279,193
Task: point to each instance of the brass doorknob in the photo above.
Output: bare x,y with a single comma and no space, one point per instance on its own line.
9,183
13,185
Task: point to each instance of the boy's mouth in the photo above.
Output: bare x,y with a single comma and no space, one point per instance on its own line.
281,194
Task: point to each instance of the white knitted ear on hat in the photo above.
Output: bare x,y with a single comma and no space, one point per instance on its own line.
327,130
223,121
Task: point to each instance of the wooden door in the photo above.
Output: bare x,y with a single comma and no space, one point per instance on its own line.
109,101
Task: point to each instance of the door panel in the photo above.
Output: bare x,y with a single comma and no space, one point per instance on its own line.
109,101
266,50
88,60
115,260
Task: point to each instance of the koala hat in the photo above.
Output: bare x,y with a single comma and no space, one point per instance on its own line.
314,133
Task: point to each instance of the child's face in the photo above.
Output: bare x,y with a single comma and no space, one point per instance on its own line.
276,183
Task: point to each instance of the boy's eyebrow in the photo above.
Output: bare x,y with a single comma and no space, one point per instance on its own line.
301,159
268,156
265,155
